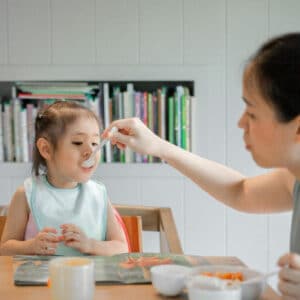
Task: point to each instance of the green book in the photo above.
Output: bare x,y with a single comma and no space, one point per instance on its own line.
150,119
171,135
183,122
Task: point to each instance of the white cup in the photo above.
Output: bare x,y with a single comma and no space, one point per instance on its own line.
72,278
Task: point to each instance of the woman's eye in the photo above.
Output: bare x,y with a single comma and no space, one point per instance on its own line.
250,115
77,143
95,144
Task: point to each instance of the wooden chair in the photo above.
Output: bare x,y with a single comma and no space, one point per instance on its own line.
136,219
132,226
158,219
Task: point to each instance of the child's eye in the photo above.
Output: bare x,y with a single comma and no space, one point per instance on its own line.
77,143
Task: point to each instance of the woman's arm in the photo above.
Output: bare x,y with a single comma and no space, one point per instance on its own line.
267,193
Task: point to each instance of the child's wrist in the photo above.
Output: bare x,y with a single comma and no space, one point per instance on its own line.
88,247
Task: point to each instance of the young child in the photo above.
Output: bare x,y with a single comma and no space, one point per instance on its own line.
59,210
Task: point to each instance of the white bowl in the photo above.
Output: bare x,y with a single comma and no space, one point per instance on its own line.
213,289
249,291
169,280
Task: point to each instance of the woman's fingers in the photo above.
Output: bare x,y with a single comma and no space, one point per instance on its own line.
290,259
289,275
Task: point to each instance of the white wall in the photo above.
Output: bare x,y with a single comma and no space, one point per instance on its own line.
206,41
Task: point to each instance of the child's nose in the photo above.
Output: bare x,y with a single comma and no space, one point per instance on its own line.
88,150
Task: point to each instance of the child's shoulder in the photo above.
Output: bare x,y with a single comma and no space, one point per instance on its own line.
19,195
96,183
95,187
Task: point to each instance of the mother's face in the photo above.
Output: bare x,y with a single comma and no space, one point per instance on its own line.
269,141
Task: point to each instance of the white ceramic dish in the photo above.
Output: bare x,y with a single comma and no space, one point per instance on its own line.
207,288
250,291
169,280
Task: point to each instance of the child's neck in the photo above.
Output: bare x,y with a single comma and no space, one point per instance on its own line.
61,184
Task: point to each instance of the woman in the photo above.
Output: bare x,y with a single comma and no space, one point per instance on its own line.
271,125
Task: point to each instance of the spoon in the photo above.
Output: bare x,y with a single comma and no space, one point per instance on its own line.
91,160
260,277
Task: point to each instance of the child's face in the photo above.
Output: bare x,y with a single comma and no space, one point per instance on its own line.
65,166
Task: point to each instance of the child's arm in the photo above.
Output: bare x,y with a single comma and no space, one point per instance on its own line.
12,241
115,238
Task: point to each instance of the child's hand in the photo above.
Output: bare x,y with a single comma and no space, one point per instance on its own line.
45,242
75,238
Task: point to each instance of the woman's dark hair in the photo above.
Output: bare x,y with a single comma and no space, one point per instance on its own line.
276,70
51,123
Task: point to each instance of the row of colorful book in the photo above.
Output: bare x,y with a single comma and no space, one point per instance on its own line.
165,110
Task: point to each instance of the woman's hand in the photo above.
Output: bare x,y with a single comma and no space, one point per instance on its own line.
134,134
45,242
289,276
75,238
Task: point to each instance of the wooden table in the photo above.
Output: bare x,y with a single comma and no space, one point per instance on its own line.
108,292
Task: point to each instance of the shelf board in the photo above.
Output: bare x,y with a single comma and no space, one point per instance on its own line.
14,169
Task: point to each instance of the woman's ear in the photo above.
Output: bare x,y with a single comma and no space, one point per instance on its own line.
44,148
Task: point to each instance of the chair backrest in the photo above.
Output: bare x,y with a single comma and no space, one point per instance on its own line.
158,219
132,226
2,223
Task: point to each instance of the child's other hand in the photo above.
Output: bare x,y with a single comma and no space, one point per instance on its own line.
75,238
45,242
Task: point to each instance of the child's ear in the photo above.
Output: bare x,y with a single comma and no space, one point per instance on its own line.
44,148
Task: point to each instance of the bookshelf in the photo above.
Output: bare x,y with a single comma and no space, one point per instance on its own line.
164,106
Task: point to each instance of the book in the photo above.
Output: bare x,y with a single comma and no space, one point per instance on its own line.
171,124
52,96
1,134
23,139
107,118
8,132
129,105
16,130
125,268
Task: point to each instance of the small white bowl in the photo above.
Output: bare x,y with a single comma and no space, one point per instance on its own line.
199,289
169,280
250,291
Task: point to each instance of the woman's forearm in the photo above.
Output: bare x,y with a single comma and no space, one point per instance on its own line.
218,180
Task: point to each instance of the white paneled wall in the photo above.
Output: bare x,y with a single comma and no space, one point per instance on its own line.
247,27
117,32
73,32
207,41
29,32
3,31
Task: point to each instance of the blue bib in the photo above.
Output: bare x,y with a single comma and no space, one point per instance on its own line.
84,206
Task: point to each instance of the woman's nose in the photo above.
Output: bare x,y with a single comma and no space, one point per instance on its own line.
242,121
